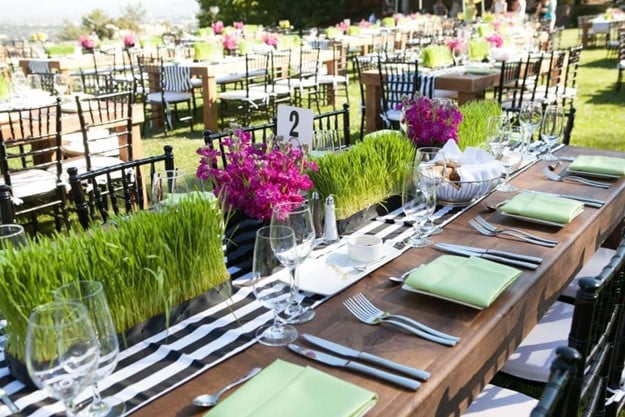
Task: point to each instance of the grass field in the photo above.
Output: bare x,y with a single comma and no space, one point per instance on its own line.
599,122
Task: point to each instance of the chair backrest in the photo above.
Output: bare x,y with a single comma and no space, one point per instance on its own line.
106,125
570,74
256,71
259,134
96,83
280,63
337,121
397,80
597,321
621,44
175,78
558,398
307,66
47,81
117,189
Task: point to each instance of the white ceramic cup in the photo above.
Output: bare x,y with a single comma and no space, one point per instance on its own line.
365,248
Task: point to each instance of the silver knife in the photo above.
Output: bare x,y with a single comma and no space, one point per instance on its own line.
589,202
353,353
483,254
402,381
526,258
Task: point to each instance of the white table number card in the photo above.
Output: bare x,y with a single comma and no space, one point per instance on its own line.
296,123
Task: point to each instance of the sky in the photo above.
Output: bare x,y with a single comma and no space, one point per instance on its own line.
56,11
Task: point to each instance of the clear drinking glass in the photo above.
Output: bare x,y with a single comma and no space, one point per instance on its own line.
61,350
12,236
298,217
530,116
510,157
551,129
168,187
432,169
496,130
91,295
272,251
418,204
34,82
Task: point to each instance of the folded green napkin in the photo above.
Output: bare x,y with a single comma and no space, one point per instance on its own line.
599,164
284,389
543,207
473,281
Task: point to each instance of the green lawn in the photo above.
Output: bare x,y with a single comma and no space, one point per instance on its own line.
599,122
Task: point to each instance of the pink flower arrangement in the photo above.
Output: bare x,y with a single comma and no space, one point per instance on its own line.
256,178
271,39
86,42
364,24
230,41
238,25
456,44
495,40
343,26
430,122
218,27
130,40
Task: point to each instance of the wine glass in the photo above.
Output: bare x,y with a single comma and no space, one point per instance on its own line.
551,130
91,295
61,83
510,157
270,253
34,82
61,350
76,86
418,204
298,217
496,127
20,83
432,170
168,187
530,116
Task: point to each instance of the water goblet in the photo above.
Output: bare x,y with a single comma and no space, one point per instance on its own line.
496,127
34,82
298,217
418,204
91,295
432,170
168,187
271,252
551,130
12,236
530,116
510,158
61,350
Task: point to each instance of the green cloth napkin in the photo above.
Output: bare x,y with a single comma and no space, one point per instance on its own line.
543,207
599,164
473,281
284,389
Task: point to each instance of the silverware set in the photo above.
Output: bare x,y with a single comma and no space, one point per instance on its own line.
503,257
367,313
575,179
485,228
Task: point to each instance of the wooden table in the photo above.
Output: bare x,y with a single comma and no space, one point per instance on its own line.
208,72
65,65
468,86
487,336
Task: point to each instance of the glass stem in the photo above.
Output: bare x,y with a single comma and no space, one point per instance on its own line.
294,287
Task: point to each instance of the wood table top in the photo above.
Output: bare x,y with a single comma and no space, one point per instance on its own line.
488,336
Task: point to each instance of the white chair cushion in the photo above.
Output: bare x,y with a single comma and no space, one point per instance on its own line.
196,82
170,97
621,65
32,182
72,143
445,93
592,268
332,79
252,95
392,115
230,78
495,401
533,358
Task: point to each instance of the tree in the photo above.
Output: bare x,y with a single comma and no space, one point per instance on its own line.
132,16
70,32
99,23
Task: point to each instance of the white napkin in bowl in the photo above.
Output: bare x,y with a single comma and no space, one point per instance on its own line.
475,164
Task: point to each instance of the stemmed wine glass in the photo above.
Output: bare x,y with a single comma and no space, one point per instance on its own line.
418,204
271,250
530,116
61,82
504,148
91,294
432,168
298,217
551,129
61,350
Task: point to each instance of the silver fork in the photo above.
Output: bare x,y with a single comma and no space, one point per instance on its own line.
368,305
574,178
371,318
491,227
480,229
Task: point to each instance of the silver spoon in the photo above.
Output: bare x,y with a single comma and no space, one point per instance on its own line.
494,207
207,400
400,279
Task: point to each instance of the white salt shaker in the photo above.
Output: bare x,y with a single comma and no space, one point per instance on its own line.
331,233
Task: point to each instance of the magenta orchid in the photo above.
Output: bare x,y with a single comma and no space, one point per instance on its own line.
86,42
256,178
230,41
130,40
218,27
456,44
430,122
495,40
271,39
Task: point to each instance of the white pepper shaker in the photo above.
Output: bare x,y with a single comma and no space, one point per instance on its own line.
331,233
